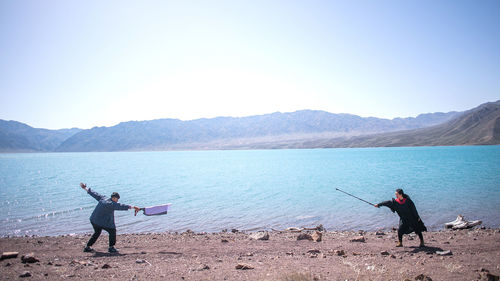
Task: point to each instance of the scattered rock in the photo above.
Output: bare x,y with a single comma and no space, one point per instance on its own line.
140,261
304,236
384,253
423,277
314,251
29,258
105,266
444,253
234,230
379,233
203,267
340,252
317,236
224,240
244,266
261,235
485,275
25,274
358,239
8,264
9,255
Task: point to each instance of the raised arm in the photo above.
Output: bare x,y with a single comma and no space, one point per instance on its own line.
92,193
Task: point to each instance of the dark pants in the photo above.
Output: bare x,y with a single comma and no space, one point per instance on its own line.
97,232
401,232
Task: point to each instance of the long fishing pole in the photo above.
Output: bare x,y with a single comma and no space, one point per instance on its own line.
354,196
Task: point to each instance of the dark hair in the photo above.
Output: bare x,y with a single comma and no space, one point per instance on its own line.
400,191
115,194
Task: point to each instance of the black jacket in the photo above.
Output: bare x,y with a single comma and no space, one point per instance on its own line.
409,220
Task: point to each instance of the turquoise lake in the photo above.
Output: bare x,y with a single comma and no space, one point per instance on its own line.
249,189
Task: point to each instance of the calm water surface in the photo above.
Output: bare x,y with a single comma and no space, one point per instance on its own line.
250,189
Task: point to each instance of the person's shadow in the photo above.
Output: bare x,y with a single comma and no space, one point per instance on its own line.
425,249
106,254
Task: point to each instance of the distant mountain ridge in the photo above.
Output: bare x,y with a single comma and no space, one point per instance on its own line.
166,134
299,129
19,137
478,126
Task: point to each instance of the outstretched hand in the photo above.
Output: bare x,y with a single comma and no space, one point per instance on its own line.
376,206
84,186
137,209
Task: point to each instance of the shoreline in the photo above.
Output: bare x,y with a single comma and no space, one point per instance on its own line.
223,231
216,256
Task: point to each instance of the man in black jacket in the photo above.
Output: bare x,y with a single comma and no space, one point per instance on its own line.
409,220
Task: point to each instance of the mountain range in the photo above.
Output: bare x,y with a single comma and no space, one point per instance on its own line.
300,129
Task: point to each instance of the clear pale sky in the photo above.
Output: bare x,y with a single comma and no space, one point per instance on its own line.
97,63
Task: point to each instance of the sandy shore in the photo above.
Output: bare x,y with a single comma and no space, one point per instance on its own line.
215,256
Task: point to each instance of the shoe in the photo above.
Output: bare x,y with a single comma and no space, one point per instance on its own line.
112,250
399,244
88,250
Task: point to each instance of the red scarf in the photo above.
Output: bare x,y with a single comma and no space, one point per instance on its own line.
401,201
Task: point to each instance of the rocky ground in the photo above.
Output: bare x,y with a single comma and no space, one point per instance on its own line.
449,255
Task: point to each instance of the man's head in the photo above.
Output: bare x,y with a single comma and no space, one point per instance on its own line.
115,196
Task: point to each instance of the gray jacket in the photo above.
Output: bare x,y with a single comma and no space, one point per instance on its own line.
104,212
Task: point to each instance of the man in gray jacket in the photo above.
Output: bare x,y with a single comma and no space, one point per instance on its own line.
103,217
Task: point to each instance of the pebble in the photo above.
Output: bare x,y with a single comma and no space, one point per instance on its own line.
106,266
261,235
29,258
244,266
314,251
444,253
317,236
358,239
203,267
384,253
304,236
485,275
9,255
340,252
25,274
